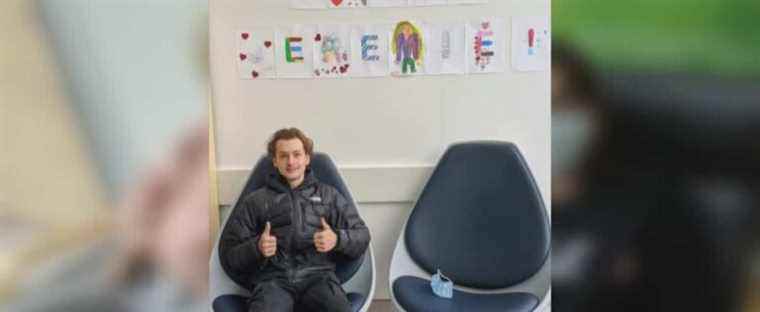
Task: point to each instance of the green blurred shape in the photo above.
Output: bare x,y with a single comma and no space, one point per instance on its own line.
694,36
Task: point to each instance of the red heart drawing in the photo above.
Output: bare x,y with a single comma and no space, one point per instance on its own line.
267,44
245,36
343,69
336,2
318,37
255,74
243,56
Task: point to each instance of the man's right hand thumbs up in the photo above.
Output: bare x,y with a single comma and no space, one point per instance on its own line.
267,242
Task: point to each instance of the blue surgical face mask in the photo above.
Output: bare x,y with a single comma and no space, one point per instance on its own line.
572,133
442,286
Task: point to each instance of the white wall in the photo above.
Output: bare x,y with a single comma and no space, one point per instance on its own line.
384,133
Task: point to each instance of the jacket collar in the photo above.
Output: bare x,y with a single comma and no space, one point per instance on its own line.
278,183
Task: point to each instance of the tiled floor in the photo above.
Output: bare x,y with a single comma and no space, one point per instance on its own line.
381,306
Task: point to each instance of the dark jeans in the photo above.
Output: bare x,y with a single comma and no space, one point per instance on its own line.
319,293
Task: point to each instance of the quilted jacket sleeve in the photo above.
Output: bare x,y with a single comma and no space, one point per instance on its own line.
353,234
238,245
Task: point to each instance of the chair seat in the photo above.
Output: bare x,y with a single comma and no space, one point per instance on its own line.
236,303
230,303
356,300
414,294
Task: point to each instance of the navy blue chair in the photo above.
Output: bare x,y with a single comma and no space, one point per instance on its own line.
357,277
481,220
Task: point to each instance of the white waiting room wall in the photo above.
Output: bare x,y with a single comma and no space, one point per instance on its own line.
385,134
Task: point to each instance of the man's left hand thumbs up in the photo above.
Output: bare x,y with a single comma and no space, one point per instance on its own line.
325,239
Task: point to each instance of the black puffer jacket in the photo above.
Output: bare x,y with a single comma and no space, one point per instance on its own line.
294,215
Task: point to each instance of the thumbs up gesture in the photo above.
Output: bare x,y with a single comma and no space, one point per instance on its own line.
267,242
325,239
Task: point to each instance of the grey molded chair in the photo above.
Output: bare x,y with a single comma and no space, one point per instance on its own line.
357,277
481,220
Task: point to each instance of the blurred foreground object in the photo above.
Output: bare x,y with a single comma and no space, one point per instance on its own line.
50,196
154,259
661,214
655,189
104,191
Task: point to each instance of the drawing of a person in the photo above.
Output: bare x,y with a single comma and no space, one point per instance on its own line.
407,45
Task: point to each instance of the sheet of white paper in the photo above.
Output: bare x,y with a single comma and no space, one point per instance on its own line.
340,4
408,48
486,46
457,2
293,53
255,54
387,3
369,50
446,49
531,43
345,4
308,4
332,51
436,2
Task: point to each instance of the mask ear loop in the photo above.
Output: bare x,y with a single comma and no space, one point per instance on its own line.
443,277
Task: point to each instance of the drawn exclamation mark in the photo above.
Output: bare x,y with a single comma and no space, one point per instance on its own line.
531,40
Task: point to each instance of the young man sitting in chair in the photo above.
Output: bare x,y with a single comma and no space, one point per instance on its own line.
284,241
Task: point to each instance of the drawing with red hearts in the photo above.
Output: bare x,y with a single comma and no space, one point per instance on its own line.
255,54
322,4
346,3
331,52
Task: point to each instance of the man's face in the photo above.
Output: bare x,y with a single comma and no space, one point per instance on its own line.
291,160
